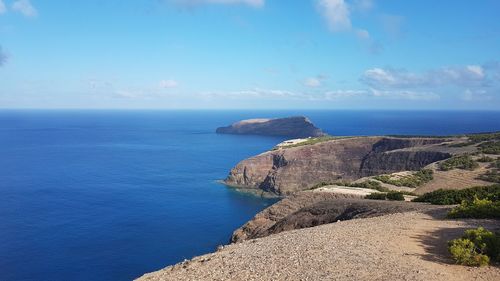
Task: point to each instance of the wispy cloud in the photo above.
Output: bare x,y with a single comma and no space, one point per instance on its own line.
469,75
337,14
3,57
3,8
467,82
326,96
168,84
315,82
193,3
24,7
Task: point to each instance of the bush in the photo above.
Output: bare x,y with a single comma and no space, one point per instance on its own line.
477,209
464,162
391,195
476,247
395,196
376,196
369,185
490,147
476,138
452,197
464,252
417,179
485,159
491,176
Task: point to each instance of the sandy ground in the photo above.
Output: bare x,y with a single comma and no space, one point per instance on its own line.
345,190
404,246
454,179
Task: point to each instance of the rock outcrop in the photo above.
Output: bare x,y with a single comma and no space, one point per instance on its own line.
309,209
294,127
289,170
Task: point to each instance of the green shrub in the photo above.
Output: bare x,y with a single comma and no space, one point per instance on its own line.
476,247
376,196
369,184
414,180
476,138
477,209
395,196
495,164
490,147
491,176
485,159
464,252
464,162
391,195
451,197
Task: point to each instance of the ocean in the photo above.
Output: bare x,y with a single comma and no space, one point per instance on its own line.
111,195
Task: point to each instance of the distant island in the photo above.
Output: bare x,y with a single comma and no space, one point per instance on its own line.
294,127
340,218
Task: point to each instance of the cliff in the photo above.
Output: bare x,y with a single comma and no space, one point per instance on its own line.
289,170
295,127
309,209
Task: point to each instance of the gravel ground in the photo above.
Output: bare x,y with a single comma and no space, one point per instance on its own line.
403,246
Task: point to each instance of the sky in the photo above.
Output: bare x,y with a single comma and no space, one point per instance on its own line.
250,54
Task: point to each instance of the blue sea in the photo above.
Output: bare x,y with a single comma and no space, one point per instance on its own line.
111,195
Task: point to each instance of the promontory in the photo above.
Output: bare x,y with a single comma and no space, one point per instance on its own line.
294,127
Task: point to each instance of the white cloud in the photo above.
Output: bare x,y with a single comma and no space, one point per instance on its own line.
475,95
24,7
168,84
252,3
471,75
336,14
3,8
405,95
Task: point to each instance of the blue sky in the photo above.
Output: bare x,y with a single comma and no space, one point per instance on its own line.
324,54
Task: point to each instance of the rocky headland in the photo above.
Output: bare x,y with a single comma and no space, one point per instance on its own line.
298,168
294,127
325,229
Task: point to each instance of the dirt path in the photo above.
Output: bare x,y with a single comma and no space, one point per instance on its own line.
405,246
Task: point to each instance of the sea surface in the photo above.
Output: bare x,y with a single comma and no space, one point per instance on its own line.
111,195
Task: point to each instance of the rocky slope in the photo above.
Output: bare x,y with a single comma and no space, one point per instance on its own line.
309,209
289,170
405,246
294,127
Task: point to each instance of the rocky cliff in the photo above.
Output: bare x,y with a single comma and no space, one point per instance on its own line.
309,209
289,170
294,127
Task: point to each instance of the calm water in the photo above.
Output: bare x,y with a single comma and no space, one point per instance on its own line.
110,195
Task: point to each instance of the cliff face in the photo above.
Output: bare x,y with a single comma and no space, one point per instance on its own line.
309,209
294,169
295,127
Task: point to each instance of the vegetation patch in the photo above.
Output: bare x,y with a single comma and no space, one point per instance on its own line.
464,162
485,159
490,147
491,176
476,247
495,164
391,195
477,209
477,138
414,180
452,197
